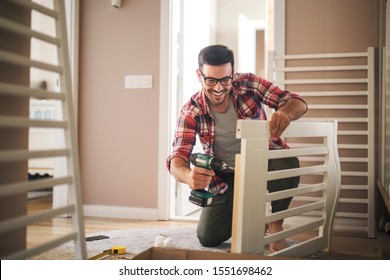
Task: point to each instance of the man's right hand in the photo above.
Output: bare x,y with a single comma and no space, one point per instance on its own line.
196,178
199,178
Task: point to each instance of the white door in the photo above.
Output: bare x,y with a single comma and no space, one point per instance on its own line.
194,27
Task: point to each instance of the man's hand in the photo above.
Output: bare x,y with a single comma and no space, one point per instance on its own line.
278,123
292,110
199,178
196,178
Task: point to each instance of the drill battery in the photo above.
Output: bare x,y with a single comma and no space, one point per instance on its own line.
204,198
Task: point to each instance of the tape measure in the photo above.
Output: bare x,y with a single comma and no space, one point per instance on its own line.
116,250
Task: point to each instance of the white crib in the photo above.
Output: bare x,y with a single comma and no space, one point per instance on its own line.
313,207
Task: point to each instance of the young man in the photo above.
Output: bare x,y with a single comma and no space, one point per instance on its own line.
212,113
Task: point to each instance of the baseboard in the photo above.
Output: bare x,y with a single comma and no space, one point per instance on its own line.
103,211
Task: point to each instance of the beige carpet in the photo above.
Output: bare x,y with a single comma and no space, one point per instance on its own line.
135,241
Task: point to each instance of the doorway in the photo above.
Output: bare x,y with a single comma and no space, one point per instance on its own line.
240,25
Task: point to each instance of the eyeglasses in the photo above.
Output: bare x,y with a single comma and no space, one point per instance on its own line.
225,81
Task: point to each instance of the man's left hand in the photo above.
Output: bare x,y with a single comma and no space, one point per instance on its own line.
278,123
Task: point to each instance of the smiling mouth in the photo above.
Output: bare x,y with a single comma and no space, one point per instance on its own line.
218,93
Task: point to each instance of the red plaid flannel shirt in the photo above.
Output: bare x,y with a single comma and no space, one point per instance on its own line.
249,92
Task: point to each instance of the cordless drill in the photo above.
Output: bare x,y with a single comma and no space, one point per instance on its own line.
205,198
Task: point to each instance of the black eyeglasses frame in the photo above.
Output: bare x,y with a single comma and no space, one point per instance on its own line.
225,81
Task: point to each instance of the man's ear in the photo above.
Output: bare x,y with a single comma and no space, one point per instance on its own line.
200,78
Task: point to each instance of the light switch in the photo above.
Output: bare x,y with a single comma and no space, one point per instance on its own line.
138,81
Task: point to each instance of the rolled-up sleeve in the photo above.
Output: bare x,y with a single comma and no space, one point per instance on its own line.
184,140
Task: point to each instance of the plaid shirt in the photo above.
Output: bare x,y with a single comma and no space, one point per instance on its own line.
249,92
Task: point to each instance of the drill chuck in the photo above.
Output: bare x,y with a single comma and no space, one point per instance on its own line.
209,162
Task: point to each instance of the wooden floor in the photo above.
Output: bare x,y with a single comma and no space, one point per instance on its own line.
344,246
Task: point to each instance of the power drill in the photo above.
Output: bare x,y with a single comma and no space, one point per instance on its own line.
205,198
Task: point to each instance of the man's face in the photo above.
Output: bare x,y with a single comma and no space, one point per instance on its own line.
216,82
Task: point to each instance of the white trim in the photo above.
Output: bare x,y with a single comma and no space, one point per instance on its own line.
164,109
132,213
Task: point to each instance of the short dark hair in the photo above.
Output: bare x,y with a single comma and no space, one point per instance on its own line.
215,55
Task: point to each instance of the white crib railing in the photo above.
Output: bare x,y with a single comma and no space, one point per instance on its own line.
67,124
340,86
250,214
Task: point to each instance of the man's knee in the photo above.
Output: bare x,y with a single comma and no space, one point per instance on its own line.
283,184
207,239
286,183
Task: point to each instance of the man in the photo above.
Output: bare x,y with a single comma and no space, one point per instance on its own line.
212,113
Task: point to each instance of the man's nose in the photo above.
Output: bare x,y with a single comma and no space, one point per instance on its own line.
218,87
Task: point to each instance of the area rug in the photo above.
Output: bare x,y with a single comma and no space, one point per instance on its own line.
135,241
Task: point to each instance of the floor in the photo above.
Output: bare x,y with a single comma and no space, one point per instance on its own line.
343,245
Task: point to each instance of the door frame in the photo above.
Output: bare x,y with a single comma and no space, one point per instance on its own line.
165,107
168,104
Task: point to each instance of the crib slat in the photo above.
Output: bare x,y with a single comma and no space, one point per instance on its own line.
16,90
293,231
9,225
23,30
26,254
320,150
295,192
26,61
295,211
23,187
280,174
17,155
6,121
